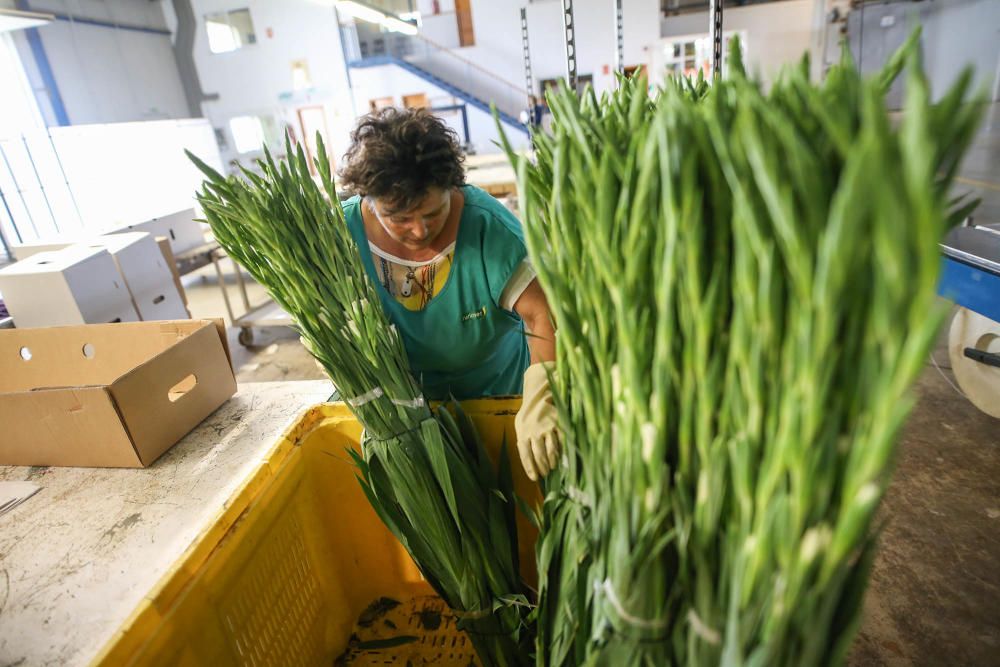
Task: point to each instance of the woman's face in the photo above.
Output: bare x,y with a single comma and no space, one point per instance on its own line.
417,227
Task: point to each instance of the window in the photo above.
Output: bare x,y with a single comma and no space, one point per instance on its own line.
416,101
555,84
228,31
300,75
634,70
85,180
19,112
685,56
381,103
252,133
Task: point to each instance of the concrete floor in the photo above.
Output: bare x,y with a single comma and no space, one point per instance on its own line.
934,597
276,354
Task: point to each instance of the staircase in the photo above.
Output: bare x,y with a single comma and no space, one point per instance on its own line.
442,67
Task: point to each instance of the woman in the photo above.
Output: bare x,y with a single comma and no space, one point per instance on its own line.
451,268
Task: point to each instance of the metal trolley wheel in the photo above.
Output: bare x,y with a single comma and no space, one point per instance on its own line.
974,352
246,337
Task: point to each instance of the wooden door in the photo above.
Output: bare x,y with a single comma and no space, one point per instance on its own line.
381,103
463,12
312,119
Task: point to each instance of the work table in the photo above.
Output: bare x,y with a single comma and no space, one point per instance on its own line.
79,556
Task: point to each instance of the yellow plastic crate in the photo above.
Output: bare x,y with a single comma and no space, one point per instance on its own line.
285,571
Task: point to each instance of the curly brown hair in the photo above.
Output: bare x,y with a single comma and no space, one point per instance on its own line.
397,155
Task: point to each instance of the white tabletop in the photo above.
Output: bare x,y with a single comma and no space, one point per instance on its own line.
492,175
77,557
485,160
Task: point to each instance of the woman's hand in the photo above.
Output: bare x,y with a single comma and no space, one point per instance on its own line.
536,424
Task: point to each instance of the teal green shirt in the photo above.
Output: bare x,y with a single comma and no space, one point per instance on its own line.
463,343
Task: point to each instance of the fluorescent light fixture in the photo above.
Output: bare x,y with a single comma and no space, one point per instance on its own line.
365,12
15,19
393,24
360,11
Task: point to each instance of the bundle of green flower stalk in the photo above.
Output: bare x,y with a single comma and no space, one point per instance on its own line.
426,474
743,285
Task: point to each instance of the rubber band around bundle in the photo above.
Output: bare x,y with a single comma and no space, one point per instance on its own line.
417,402
476,614
657,627
465,619
378,392
392,436
699,627
366,397
578,496
702,630
473,614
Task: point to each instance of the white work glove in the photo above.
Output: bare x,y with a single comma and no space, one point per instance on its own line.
536,423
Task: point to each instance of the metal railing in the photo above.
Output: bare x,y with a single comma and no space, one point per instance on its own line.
438,60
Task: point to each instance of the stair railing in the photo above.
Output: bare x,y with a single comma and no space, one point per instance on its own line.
440,62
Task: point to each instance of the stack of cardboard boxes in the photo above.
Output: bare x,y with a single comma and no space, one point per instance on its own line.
121,277
84,382
76,285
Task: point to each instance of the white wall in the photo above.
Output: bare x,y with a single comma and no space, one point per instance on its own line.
426,7
641,20
497,30
393,81
594,36
440,27
106,74
777,34
497,27
257,79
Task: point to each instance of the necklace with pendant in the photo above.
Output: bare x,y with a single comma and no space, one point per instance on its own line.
407,288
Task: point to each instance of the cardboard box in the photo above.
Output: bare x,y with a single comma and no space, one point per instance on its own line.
181,228
75,285
108,395
146,274
146,271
